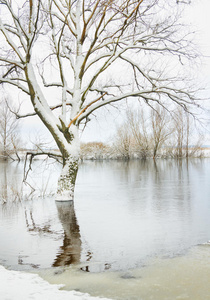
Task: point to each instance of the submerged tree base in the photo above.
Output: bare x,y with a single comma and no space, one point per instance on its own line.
62,200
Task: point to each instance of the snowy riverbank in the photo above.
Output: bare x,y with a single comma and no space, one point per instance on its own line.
15,285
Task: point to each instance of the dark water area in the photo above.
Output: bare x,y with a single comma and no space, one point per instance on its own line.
125,215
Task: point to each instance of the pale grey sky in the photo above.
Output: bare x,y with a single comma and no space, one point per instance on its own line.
102,128
197,14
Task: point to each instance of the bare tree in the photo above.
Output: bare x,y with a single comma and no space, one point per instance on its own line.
122,141
138,124
94,53
161,129
186,139
157,132
9,135
148,131
179,125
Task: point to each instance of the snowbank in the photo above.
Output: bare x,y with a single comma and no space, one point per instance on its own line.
15,285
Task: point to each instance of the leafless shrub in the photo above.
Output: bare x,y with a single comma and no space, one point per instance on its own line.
10,141
94,150
158,134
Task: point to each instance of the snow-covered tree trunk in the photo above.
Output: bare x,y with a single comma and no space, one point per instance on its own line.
66,136
67,179
66,182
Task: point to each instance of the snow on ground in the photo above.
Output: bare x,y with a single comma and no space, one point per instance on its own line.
15,285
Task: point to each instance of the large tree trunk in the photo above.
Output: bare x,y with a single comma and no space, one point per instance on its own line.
66,181
70,154
65,136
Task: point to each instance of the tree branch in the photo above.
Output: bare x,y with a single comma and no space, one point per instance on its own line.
85,108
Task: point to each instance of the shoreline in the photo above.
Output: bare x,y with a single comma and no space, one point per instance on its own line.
19,285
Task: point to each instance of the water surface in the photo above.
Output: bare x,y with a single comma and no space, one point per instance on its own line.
131,224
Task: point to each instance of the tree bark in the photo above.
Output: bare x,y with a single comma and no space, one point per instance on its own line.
66,181
70,154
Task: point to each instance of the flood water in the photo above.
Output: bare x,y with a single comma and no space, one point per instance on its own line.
136,230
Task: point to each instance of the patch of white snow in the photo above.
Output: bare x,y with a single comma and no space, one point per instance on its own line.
16,285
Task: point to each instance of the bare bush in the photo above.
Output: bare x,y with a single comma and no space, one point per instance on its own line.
10,141
158,133
94,150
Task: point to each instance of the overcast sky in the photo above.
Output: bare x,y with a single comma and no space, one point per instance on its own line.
198,16
102,128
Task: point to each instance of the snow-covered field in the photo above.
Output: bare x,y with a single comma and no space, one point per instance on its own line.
15,285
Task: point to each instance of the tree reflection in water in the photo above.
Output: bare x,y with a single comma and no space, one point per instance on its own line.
70,251
158,208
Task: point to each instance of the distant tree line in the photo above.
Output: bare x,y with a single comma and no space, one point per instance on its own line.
141,135
152,135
